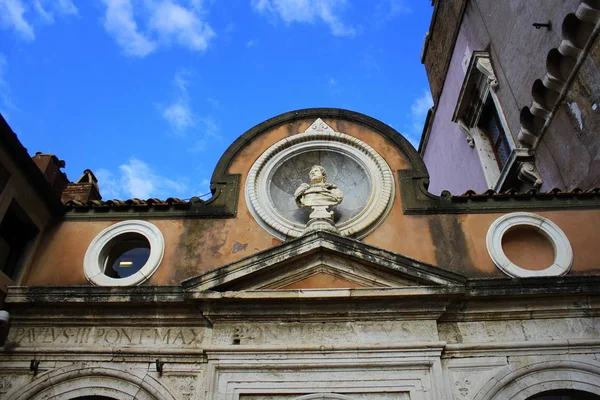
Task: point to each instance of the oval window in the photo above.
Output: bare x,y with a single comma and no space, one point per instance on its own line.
127,254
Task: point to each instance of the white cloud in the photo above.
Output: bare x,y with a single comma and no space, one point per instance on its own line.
307,11
179,116
120,23
173,22
6,103
47,16
162,22
67,7
13,13
108,184
208,130
418,113
11,16
387,10
421,105
136,179
178,113
333,86
184,121
251,43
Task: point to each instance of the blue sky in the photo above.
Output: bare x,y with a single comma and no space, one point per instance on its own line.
149,93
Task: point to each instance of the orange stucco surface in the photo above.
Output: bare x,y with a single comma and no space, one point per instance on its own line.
540,254
323,281
194,246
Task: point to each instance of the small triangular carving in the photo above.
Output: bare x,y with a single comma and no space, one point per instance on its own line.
319,126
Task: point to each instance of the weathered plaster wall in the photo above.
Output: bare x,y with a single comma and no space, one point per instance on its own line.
452,164
195,246
445,23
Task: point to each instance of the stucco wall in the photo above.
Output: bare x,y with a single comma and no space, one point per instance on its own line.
195,246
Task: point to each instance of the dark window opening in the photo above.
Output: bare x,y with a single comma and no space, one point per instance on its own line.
490,124
16,233
566,394
127,254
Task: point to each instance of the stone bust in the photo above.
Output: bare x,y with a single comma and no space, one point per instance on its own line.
318,196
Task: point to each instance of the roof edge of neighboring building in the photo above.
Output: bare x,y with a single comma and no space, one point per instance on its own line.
34,176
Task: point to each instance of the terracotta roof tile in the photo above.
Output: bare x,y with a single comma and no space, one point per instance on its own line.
531,193
134,203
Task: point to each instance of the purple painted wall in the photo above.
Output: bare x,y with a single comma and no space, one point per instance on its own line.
569,154
452,164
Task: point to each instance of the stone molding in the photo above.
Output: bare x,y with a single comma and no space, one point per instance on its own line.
479,85
94,272
520,384
76,381
563,253
319,136
415,372
417,200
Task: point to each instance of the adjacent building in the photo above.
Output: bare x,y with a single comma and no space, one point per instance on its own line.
516,87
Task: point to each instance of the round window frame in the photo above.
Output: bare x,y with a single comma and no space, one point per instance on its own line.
563,253
381,199
93,262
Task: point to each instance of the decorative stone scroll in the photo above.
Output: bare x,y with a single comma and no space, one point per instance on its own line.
357,170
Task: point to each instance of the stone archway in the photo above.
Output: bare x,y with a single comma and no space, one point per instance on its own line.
567,394
93,383
528,381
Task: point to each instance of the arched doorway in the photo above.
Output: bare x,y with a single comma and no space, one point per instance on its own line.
577,379
565,394
93,383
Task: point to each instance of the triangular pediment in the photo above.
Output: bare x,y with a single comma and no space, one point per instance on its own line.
323,260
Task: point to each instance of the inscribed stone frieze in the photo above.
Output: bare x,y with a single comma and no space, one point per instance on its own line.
525,330
334,333
117,336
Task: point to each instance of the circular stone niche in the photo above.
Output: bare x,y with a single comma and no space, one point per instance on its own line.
525,245
359,172
346,173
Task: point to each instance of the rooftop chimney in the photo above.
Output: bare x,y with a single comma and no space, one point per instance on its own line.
50,166
85,189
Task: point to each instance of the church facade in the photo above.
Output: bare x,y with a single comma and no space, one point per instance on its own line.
320,268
